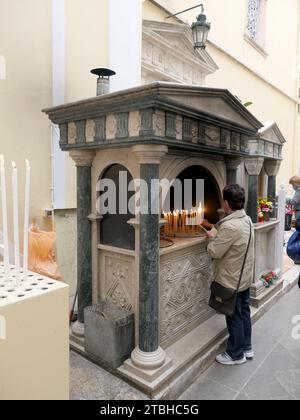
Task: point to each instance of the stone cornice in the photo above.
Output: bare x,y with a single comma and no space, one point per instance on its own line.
156,94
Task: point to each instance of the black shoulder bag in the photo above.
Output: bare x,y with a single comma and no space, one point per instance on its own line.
223,299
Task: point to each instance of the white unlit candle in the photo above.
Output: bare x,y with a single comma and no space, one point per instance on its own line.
16,221
26,220
4,220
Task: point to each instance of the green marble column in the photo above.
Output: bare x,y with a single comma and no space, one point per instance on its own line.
253,166
232,165
83,160
149,267
231,176
272,187
84,248
252,197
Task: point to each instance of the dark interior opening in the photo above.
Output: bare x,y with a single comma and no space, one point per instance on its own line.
115,231
212,197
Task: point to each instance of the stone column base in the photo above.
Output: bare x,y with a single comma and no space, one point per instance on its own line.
78,329
146,375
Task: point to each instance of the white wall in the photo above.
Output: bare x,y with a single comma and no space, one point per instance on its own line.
125,43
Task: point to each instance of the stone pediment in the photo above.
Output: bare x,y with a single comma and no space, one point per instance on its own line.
219,103
271,132
168,54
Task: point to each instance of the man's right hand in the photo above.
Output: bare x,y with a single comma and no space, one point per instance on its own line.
205,223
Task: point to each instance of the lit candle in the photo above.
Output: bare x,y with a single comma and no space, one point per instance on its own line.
26,219
16,220
4,220
199,215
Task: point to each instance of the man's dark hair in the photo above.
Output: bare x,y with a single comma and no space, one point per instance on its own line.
235,195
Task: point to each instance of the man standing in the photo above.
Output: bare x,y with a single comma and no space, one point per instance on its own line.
228,247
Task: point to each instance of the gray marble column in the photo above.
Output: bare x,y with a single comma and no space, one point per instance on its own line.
232,165
253,166
83,160
148,354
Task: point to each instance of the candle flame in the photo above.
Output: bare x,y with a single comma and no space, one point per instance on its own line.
14,165
27,163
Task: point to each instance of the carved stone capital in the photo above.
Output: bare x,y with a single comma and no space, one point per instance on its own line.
254,165
150,154
272,167
233,163
83,157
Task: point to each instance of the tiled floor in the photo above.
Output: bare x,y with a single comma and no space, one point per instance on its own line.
275,372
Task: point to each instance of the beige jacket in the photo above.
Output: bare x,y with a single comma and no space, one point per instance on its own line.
228,250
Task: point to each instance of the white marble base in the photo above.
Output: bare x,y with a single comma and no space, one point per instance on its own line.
148,361
78,329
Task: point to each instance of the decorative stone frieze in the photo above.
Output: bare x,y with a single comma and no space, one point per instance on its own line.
100,129
90,131
72,133
170,125
111,127
122,125
225,139
80,132
134,124
159,123
235,141
63,128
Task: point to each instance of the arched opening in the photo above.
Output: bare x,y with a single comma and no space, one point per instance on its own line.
115,230
212,195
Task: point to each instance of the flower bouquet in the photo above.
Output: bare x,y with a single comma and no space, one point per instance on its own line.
269,279
264,209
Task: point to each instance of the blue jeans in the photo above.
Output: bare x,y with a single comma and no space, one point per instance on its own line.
240,328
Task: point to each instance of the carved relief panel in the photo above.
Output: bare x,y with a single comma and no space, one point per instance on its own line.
185,279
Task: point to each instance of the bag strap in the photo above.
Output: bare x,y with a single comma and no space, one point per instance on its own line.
245,258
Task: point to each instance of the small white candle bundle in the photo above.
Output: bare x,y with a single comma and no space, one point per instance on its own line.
15,194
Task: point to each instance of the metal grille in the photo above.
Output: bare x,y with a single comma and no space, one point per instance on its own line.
254,7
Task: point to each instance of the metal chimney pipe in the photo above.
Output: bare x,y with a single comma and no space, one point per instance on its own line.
103,80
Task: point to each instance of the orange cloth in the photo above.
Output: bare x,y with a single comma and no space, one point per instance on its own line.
41,253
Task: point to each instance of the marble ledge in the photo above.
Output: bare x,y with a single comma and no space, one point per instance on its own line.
182,243
116,250
266,225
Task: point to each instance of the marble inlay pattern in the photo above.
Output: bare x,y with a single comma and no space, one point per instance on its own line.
235,141
111,127
213,136
178,127
63,128
72,133
90,131
159,123
134,124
